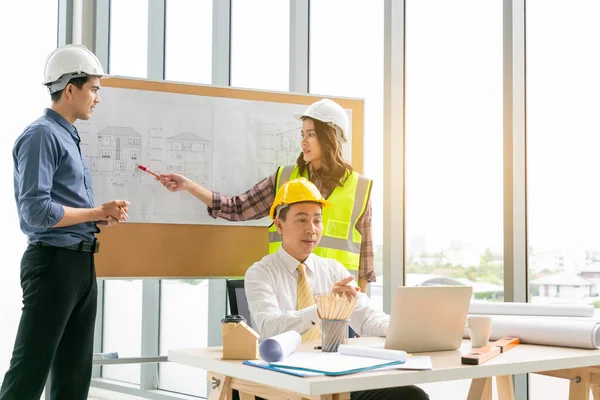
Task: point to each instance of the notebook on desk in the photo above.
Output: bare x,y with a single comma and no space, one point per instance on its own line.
265,365
331,364
416,363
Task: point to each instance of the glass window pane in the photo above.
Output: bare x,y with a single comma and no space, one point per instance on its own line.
454,144
122,330
454,180
188,41
22,80
260,44
335,70
562,159
129,38
183,324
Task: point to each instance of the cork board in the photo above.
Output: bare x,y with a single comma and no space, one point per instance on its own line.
148,250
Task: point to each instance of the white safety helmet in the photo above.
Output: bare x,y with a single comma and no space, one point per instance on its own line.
330,113
68,62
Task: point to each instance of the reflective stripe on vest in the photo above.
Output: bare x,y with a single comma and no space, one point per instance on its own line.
341,240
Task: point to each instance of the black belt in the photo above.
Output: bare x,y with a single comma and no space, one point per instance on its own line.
88,247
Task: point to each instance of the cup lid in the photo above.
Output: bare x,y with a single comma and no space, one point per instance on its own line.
233,318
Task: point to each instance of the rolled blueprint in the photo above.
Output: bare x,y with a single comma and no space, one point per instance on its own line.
564,332
277,347
549,310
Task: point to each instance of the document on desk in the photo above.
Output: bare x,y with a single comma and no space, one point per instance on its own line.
332,364
417,363
265,365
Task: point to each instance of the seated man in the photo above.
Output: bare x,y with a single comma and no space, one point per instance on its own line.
280,287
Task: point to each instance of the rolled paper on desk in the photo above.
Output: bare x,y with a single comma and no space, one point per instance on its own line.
384,354
549,310
278,347
581,333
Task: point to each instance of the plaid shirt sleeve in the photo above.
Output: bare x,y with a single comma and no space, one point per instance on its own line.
366,268
254,204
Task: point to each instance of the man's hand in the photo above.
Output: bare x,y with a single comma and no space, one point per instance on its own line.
174,182
117,209
110,221
342,287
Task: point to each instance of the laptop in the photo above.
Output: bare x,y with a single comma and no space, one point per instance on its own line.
428,318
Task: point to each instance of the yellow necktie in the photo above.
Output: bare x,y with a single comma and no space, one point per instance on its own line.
305,299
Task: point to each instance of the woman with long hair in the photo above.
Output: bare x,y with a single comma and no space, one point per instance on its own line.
347,231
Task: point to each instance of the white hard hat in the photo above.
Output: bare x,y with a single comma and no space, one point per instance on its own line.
68,62
331,113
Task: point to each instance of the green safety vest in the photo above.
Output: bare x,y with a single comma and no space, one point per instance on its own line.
340,240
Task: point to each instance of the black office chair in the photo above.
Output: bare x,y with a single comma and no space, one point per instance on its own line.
238,304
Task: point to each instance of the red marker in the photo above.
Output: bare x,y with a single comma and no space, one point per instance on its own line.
148,171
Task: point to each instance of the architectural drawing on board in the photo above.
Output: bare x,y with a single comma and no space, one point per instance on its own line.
278,145
119,149
225,144
190,155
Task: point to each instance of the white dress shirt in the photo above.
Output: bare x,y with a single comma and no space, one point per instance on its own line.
271,286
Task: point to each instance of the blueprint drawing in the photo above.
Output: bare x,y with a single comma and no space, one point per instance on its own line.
226,145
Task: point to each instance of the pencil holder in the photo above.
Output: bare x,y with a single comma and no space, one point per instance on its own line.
334,333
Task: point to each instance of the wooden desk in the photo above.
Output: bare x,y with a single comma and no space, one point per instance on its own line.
580,366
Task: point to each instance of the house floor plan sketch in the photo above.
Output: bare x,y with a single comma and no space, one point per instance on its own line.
226,145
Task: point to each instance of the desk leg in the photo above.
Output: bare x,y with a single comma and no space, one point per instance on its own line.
595,391
220,386
581,380
505,387
481,389
580,390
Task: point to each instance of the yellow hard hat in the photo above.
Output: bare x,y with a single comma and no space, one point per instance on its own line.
297,191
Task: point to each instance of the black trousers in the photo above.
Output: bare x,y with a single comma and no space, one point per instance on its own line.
56,331
397,393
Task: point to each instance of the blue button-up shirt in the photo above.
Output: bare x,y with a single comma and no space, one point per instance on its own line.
50,172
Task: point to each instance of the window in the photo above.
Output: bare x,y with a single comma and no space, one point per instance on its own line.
188,41
336,70
122,327
260,44
562,161
454,186
183,324
454,145
128,38
23,82
105,153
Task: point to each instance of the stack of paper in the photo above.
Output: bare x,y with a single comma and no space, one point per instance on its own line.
348,360
332,363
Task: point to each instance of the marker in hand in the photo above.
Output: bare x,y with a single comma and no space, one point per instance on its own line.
148,171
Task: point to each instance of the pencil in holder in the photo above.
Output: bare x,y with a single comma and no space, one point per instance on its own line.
334,333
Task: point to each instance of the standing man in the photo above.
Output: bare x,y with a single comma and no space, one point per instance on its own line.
53,192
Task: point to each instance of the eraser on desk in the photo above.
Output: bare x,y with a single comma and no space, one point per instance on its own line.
506,343
480,355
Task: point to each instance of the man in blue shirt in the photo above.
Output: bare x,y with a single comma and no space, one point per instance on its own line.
53,192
